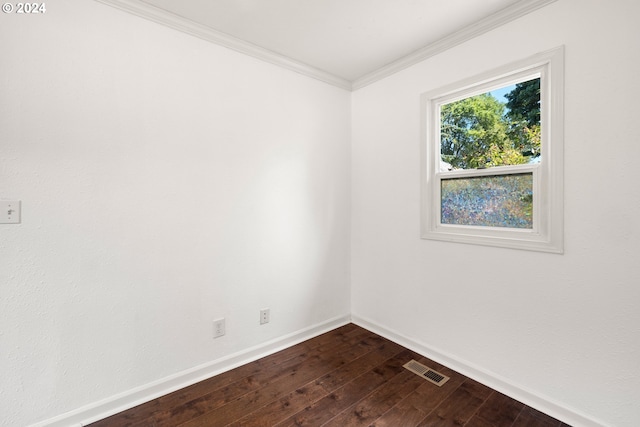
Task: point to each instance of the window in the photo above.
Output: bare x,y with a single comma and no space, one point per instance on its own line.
492,161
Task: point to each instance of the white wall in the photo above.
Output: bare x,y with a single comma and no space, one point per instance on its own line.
565,328
165,182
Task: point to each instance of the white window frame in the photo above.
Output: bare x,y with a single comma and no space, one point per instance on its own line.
548,210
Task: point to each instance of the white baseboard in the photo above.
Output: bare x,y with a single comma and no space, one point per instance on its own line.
131,398
490,379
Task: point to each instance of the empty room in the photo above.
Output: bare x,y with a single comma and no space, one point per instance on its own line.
320,212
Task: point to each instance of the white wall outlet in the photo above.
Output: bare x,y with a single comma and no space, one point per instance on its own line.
218,328
264,316
9,212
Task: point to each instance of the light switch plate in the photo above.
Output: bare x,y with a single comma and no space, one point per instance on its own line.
9,212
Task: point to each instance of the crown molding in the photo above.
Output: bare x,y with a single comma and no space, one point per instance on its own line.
163,17
485,25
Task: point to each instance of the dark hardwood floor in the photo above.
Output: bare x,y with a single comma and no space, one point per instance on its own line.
346,377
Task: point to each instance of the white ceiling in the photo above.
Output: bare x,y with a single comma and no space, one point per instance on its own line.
345,42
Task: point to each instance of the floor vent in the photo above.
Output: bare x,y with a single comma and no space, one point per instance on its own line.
427,373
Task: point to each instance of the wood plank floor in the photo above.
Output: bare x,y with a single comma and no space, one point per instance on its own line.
346,377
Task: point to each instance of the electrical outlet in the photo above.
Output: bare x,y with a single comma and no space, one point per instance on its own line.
264,316
218,328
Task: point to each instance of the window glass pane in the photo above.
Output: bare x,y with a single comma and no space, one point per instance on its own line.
497,128
490,201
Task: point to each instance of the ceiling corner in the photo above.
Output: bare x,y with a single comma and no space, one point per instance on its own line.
168,19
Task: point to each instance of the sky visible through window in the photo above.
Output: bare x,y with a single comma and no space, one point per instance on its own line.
500,93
